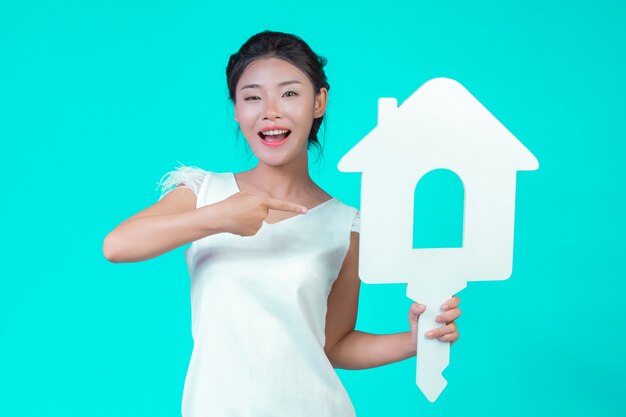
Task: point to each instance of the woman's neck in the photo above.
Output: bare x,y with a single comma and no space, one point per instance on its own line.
288,180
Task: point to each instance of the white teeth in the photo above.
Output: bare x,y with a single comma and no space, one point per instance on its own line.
275,132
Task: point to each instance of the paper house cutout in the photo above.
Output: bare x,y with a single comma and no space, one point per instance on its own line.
441,125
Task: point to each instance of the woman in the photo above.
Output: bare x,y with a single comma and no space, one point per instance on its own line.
273,257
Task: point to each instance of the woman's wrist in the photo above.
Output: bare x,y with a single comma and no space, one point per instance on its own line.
411,345
209,219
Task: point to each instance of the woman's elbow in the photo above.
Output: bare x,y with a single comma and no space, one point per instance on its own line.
110,249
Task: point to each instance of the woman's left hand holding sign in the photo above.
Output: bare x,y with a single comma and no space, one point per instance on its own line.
448,332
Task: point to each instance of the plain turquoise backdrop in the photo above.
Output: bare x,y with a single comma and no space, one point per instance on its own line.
99,99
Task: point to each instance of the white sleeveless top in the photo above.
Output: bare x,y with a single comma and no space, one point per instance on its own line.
259,309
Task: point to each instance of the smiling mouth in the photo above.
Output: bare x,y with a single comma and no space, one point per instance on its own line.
274,136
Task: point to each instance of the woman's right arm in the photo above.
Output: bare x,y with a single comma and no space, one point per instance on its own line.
171,222
174,220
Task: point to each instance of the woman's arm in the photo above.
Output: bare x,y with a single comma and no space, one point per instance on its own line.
347,348
166,225
175,220
359,350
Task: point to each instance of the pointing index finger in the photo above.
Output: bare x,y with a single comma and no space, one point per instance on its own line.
275,204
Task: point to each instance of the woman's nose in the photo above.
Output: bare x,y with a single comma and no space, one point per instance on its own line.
271,109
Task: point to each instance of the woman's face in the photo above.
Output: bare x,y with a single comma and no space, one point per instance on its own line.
275,105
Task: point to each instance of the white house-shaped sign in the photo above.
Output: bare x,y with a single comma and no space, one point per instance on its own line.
441,125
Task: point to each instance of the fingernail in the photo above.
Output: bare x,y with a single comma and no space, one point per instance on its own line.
444,307
429,334
438,319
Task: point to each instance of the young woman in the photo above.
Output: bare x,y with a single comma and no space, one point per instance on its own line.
273,257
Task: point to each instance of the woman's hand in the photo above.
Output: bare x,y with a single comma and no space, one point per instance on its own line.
448,331
243,213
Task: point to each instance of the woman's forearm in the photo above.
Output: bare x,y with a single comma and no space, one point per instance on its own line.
149,236
359,350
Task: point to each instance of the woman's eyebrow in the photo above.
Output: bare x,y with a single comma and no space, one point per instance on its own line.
284,83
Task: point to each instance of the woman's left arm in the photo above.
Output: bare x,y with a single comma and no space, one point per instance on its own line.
347,348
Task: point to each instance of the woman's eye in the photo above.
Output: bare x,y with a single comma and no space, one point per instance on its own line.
290,94
251,98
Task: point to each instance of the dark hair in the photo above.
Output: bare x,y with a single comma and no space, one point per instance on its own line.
285,46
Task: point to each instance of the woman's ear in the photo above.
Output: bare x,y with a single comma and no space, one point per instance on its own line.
235,113
320,103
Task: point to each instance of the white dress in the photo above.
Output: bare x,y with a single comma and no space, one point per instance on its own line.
259,309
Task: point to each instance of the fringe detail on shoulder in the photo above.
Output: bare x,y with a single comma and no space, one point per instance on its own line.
356,223
182,176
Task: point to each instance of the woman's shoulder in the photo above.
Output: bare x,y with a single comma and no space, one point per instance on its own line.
352,214
344,205
186,176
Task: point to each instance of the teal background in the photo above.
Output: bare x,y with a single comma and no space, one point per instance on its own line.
99,99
